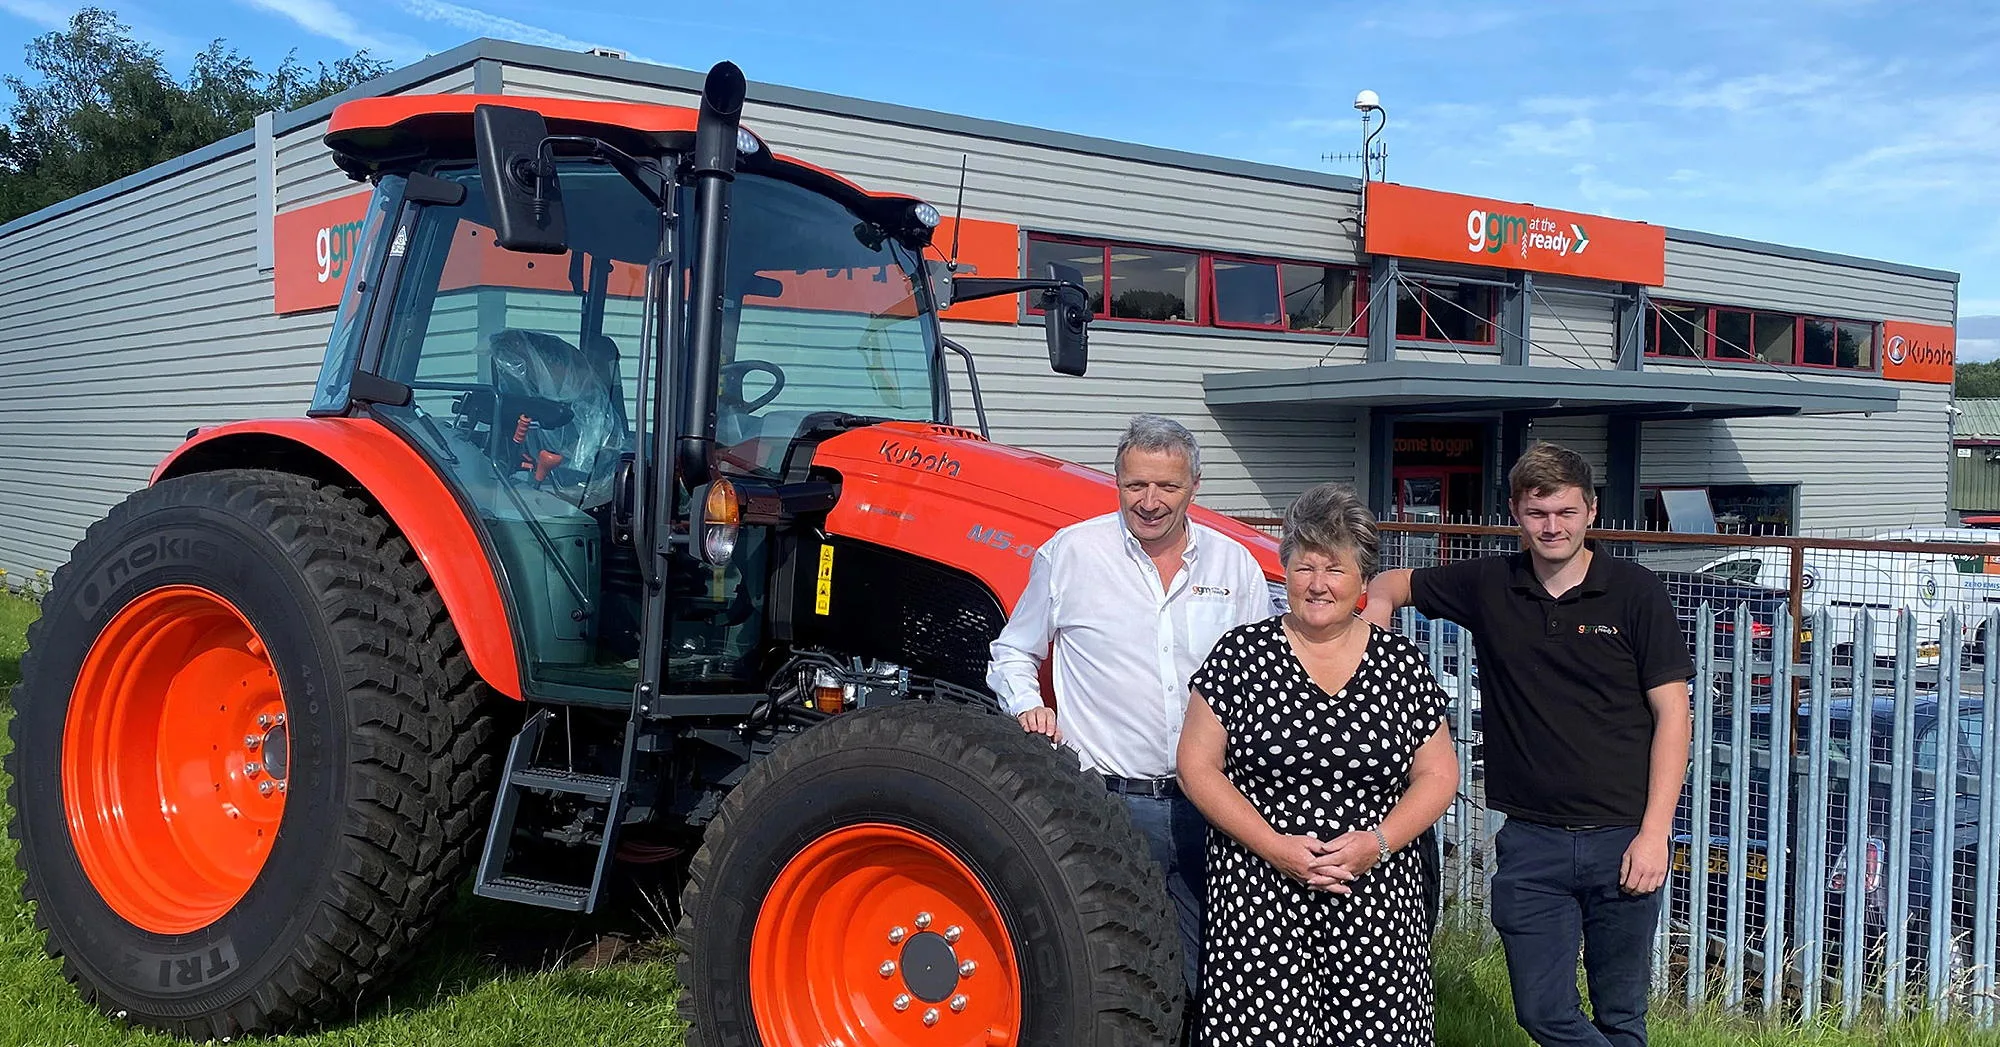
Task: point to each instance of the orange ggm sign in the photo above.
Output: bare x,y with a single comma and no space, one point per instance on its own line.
1407,222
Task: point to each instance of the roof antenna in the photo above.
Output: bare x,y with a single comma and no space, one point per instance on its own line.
958,217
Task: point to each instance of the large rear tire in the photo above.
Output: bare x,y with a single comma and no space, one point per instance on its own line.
250,757
847,883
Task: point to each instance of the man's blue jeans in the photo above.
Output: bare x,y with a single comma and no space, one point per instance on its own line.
1553,888
1178,837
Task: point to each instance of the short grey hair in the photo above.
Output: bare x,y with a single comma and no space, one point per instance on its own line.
1151,432
1327,518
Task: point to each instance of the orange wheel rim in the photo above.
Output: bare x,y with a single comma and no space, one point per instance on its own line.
878,936
174,760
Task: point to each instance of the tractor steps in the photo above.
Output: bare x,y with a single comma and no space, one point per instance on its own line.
522,775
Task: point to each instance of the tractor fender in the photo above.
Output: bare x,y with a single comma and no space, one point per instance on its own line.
416,500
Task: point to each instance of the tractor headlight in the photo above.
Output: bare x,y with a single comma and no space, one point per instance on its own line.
747,143
722,518
926,215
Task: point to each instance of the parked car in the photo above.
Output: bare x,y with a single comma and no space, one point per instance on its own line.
1833,842
1847,582
1691,590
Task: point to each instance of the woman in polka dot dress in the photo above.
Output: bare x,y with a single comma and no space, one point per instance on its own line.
1315,745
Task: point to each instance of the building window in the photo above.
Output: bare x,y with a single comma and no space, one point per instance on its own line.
1162,285
1087,258
1720,508
1677,330
1247,294
1776,337
1154,285
1744,336
1446,311
1320,298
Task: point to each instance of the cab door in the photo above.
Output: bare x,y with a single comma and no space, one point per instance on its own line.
523,376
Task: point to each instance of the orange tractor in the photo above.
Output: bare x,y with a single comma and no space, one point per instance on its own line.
627,522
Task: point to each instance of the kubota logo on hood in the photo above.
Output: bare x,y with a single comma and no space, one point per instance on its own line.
917,456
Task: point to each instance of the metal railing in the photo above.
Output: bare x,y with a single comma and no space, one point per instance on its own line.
1781,902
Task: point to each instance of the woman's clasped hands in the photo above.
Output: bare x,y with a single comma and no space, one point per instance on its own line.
1323,865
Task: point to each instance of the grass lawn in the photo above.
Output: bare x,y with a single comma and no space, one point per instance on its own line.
508,977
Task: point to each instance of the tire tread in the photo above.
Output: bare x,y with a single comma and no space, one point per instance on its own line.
1136,981
424,761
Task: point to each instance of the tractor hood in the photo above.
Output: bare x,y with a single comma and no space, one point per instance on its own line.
947,494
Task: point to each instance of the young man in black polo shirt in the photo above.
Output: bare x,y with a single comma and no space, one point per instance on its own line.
1584,678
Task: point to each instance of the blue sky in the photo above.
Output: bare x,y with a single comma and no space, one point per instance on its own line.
1860,126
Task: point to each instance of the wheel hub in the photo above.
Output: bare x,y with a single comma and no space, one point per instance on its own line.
174,759
930,967
880,935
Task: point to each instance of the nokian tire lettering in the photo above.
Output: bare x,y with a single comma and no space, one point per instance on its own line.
393,755
1098,956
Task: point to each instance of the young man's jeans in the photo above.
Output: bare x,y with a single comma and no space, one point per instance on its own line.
1553,887
1177,834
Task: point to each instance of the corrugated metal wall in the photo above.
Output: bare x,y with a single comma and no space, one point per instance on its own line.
131,321
1977,488
1569,329
1853,472
1583,434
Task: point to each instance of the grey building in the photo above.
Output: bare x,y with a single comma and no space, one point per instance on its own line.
1235,296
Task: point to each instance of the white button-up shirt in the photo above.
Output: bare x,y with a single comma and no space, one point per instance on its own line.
1124,644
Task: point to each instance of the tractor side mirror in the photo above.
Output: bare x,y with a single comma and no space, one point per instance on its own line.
522,194
1066,320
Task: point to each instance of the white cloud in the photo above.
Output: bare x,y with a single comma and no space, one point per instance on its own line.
1603,193
51,16
1572,137
1760,93
325,18
485,23
1442,23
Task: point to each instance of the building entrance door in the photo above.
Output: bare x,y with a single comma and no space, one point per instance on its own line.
1434,493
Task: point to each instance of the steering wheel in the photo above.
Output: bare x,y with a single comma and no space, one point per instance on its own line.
732,383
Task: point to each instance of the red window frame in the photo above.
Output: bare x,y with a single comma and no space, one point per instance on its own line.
1205,306
1359,328
1199,303
1711,347
1424,318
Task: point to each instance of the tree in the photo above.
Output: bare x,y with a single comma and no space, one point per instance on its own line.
102,105
1978,381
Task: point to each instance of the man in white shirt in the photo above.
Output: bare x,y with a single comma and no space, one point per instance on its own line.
1132,602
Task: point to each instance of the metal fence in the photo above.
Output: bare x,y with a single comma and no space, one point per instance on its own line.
1781,902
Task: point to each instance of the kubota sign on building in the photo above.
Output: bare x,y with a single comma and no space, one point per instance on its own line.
1914,352
1406,222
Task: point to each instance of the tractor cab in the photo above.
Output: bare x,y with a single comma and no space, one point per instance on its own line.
616,328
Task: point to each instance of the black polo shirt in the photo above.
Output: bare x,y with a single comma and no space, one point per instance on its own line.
1568,731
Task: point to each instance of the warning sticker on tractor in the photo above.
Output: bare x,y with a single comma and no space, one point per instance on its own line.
823,596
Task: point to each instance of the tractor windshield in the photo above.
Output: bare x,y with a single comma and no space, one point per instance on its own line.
821,314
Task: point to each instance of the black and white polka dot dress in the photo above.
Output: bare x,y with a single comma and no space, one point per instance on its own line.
1284,964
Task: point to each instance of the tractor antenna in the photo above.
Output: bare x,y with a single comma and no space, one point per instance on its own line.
957,218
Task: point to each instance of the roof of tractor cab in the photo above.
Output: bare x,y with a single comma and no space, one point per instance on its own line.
401,132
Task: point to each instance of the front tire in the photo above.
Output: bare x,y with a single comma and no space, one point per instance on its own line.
847,883
250,757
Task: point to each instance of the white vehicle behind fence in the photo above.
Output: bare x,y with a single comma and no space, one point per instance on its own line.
1847,582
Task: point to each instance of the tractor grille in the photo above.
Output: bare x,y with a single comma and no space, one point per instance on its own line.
934,619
